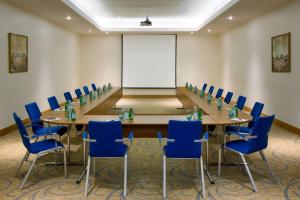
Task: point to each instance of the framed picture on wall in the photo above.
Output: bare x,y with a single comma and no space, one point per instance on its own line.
281,53
17,53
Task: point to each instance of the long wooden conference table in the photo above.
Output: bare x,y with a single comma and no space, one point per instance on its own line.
144,126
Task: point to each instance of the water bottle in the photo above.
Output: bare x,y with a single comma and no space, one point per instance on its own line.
195,113
186,85
195,90
130,114
219,103
73,114
199,112
201,93
190,87
209,98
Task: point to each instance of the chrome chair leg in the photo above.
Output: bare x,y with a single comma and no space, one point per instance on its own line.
220,161
87,176
268,165
248,172
125,176
164,177
65,163
28,172
202,177
22,161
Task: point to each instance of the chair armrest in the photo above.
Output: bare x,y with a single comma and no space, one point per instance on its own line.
86,139
129,138
204,138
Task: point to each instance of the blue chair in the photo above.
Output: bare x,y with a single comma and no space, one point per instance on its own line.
53,103
38,148
256,141
86,90
106,141
204,87
211,89
255,113
78,93
241,102
228,97
94,87
183,142
219,93
68,96
38,127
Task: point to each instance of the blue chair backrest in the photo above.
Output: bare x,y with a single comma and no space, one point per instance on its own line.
184,133
261,129
22,131
86,90
211,89
94,87
241,102
105,134
219,93
255,113
204,87
78,93
34,114
68,96
228,97
53,103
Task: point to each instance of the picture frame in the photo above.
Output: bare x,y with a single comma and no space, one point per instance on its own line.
17,53
281,53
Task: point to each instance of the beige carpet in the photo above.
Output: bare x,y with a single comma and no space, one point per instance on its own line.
145,174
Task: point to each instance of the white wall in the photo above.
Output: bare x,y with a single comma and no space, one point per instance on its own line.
198,59
247,63
53,63
101,59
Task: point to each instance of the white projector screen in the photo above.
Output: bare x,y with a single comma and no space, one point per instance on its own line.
149,61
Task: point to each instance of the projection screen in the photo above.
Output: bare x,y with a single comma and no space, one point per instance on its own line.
149,61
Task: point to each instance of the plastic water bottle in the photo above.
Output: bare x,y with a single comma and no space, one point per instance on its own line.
130,114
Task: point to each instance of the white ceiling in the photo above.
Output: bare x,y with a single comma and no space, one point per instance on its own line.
56,11
166,15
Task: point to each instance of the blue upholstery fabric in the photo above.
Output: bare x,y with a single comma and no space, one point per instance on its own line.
184,133
36,147
94,87
261,129
78,93
219,93
86,90
204,87
211,89
105,134
241,102
37,125
68,96
228,97
53,103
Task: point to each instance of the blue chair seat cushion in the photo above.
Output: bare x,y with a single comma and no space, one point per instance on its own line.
44,145
243,146
108,152
195,153
233,129
60,130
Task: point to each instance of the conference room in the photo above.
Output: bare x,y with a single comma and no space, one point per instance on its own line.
136,99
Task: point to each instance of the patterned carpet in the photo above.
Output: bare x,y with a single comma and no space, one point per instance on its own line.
145,173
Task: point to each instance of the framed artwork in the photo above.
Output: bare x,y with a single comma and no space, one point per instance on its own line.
281,53
17,53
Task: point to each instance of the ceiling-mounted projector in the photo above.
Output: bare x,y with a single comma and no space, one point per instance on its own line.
147,22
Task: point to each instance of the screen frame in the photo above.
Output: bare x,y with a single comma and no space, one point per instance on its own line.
122,57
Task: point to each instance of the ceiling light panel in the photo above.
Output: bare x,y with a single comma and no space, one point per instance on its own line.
167,15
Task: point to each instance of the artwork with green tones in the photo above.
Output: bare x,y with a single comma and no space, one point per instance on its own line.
281,53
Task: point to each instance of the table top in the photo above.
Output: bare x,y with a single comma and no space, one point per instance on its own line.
214,117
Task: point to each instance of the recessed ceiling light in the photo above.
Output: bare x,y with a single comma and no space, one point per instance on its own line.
230,18
209,30
90,30
106,33
68,18
192,32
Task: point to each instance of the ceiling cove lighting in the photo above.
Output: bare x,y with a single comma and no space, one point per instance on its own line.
109,17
